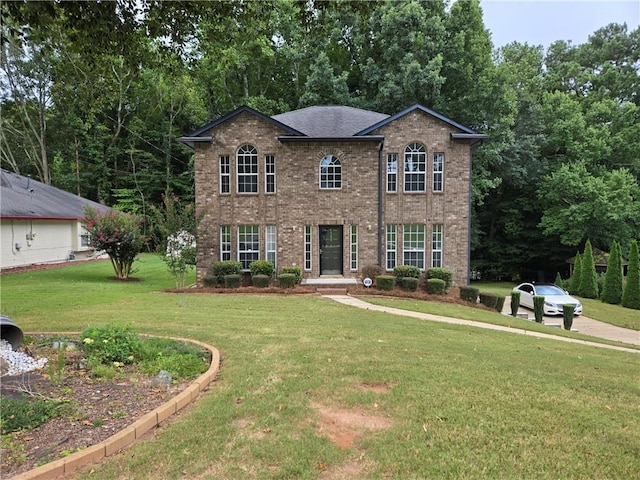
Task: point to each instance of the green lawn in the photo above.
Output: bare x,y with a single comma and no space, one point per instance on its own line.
458,402
596,309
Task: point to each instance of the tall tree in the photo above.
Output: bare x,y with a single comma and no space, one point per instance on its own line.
631,295
588,278
612,289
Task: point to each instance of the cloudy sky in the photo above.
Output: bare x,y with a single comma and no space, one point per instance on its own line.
542,22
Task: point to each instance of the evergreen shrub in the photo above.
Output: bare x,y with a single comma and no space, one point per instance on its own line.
296,271
443,274
489,299
287,280
436,286
385,282
469,294
226,267
500,303
588,278
515,303
409,284
574,283
260,281
210,281
538,307
631,294
261,267
406,271
567,316
232,280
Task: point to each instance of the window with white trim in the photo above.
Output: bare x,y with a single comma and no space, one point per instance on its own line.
413,245
415,163
248,244
353,247
270,174
330,173
392,172
307,247
392,247
436,246
225,242
225,174
438,172
247,168
270,244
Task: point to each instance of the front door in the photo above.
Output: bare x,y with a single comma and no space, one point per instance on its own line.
330,249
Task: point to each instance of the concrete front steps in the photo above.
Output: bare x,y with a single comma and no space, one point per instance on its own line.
330,285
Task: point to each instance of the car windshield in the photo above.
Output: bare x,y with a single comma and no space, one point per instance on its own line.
549,290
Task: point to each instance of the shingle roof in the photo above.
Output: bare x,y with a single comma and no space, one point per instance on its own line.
23,197
330,121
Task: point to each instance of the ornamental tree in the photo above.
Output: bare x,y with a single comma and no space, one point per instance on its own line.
631,295
588,277
612,290
117,234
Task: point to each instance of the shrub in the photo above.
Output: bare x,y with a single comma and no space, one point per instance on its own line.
469,294
261,267
261,281
385,282
410,284
558,281
436,286
371,271
538,307
489,299
500,303
443,274
631,294
26,413
226,267
181,360
296,271
210,281
180,256
515,303
567,316
110,343
574,283
287,280
406,271
588,278
232,280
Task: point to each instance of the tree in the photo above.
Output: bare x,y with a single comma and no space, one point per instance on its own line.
588,278
323,86
574,284
117,234
631,295
612,290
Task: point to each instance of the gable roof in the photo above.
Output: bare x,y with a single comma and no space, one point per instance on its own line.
24,198
330,121
421,108
196,135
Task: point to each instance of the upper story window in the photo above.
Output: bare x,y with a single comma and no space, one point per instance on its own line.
330,173
270,174
247,165
225,173
392,172
415,167
438,172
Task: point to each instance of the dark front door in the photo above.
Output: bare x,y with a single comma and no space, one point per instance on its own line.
330,249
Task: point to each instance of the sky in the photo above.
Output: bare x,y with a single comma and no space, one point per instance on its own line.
542,22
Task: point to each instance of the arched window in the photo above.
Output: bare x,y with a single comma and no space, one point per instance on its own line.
415,167
247,168
330,173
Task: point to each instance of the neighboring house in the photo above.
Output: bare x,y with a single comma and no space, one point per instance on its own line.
40,223
332,189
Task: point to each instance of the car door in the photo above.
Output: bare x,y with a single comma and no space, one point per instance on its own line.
526,295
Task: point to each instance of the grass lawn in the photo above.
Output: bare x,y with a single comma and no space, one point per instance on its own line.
437,400
596,309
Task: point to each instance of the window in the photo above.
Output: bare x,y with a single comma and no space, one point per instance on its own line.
438,172
270,174
270,244
414,167
353,247
330,173
436,246
413,246
247,164
392,249
225,173
248,245
307,247
392,172
225,242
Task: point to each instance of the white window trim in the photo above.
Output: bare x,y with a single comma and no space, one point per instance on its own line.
308,264
225,162
440,173
271,243
253,156
391,246
415,149
333,167
353,247
408,247
256,229
437,241
268,174
225,230
389,173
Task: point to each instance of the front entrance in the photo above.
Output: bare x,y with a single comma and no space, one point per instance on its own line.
330,249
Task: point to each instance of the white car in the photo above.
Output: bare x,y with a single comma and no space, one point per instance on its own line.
554,297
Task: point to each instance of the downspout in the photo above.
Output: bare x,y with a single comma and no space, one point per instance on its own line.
380,187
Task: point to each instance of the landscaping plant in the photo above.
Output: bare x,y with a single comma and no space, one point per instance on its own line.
538,308
588,277
567,316
612,289
574,282
515,303
631,295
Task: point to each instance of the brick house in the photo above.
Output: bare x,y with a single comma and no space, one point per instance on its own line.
332,189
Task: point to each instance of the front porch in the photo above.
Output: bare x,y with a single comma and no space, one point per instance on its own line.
330,285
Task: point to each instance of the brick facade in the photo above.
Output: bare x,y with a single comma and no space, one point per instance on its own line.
299,201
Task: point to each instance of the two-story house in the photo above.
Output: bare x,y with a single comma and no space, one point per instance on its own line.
332,189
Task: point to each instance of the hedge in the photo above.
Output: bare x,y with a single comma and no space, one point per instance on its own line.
286,280
469,294
385,282
261,267
261,281
232,281
410,284
226,267
436,286
406,271
442,274
296,271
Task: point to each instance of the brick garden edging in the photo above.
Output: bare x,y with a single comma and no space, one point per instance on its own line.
133,432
